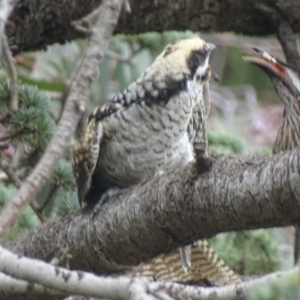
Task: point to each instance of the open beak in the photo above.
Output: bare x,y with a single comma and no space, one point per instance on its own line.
213,75
275,68
267,63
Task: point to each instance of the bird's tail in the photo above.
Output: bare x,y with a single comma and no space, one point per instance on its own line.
206,266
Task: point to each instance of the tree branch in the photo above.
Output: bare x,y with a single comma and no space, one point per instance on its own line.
12,285
288,42
6,7
74,108
64,280
34,26
11,68
172,210
52,279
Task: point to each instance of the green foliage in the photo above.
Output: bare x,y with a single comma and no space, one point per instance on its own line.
63,175
245,72
249,252
31,124
30,129
26,222
225,143
65,198
287,288
66,202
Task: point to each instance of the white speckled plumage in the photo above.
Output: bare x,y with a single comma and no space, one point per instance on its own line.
154,125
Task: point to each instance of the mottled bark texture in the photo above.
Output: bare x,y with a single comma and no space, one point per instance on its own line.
36,24
174,209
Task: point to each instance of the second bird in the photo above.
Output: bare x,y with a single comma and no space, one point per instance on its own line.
286,80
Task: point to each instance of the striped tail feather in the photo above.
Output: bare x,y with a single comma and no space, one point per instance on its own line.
206,266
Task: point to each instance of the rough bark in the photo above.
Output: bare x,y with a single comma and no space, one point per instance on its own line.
36,24
59,281
174,209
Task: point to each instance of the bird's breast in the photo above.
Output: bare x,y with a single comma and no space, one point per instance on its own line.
143,139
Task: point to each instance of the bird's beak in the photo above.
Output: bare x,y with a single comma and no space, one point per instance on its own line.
211,47
215,76
273,67
267,63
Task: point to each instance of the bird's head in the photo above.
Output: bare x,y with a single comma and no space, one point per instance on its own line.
187,57
180,64
285,78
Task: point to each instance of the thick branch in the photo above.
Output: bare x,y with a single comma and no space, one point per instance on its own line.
34,25
174,209
38,277
9,284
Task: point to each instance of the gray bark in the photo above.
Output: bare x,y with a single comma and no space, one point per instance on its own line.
36,24
174,209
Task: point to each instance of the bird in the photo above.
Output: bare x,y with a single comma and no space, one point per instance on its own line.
286,81
207,268
153,126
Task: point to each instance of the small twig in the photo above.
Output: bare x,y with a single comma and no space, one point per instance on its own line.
49,197
116,56
39,214
3,117
73,110
82,28
10,173
11,135
85,24
11,68
127,7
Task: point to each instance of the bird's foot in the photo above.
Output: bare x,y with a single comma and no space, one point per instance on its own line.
103,199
